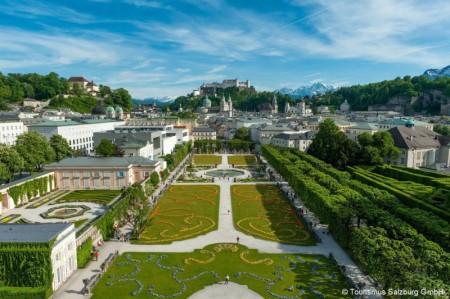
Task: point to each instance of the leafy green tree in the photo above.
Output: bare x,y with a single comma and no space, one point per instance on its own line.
154,178
11,160
243,133
371,155
104,90
61,147
4,173
137,211
34,149
442,129
364,139
122,98
106,148
385,144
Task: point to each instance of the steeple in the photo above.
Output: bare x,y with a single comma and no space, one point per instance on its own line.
230,106
274,104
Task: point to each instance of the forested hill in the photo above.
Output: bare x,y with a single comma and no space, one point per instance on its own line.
430,93
14,88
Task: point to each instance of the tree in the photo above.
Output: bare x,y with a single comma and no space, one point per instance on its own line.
106,148
122,98
243,133
11,160
154,178
61,147
136,213
385,144
34,149
371,155
364,139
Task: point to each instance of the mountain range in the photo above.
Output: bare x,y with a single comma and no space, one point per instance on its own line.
434,73
307,90
149,101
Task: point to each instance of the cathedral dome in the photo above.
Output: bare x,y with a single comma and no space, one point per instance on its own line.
99,109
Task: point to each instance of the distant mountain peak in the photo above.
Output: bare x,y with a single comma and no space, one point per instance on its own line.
307,90
434,73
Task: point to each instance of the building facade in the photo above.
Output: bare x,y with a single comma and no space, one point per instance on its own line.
102,173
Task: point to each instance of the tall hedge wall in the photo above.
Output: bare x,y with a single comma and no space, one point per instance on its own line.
84,253
26,293
25,264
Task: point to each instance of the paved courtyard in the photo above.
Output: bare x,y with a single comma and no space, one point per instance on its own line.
226,233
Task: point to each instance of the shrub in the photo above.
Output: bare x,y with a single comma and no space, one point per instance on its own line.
84,253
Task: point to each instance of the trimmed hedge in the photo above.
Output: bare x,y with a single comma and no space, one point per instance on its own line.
397,250
33,188
26,292
406,198
26,264
84,255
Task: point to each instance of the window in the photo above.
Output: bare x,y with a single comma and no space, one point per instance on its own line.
106,174
65,174
76,174
86,174
121,174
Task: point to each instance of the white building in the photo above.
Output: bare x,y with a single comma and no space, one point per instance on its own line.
266,132
419,147
300,141
10,130
78,134
200,133
60,235
300,109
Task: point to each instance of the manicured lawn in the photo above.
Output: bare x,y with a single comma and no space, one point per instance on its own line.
263,211
101,197
179,275
184,212
207,160
242,159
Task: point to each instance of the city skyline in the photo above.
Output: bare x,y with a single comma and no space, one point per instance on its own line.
169,48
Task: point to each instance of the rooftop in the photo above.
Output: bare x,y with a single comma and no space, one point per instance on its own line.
101,162
36,232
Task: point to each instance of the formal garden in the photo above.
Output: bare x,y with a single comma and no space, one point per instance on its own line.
179,275
242,160
184,212
207,160
101,197
264,212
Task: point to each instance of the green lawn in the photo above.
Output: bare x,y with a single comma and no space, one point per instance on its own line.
242,160
263,211
207,160
179,275
101,197
184,212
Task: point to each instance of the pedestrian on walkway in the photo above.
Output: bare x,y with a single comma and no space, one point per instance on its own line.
227,279
96,255
228,212
237,239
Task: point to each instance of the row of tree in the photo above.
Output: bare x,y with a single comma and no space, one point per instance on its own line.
334,147
387,247
30,153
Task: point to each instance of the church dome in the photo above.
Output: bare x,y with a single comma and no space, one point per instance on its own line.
118,108
99,109
109,108
206,102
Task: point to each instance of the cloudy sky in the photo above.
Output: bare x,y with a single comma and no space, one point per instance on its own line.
168,48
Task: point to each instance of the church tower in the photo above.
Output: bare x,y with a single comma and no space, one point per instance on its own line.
274,104
287,108
230,106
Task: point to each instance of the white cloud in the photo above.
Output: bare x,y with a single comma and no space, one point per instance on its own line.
217,69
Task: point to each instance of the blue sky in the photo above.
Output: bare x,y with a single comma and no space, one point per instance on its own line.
168,48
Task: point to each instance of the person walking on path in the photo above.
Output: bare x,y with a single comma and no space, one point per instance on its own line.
96,255
237,239
227,279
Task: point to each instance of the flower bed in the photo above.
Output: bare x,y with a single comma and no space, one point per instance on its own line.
50,213
9,218
179,275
